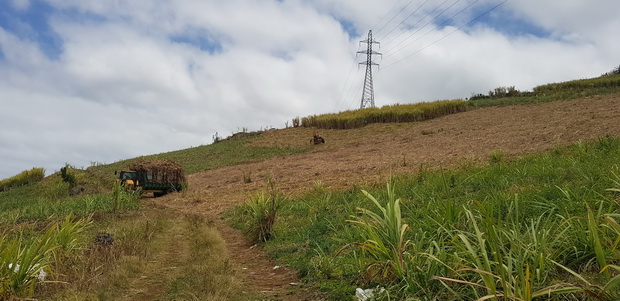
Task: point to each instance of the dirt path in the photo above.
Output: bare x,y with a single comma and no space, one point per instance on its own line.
368,155
162,267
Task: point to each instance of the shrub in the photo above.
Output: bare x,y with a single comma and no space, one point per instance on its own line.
25,177
25,263
384,238
262,211
67,176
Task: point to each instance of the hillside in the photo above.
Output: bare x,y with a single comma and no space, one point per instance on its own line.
225,175
368,155
365,157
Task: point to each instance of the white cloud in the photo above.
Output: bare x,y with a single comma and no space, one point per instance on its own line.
140,77
20,4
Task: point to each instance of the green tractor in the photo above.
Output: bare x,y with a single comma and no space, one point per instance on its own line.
159,177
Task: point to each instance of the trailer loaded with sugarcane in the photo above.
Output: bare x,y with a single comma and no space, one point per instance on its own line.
153,176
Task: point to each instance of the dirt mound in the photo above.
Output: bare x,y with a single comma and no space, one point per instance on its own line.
367,156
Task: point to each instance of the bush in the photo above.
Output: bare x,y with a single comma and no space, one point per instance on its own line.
67,176
25,177
262,211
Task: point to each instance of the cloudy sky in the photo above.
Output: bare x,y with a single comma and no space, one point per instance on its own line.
86,81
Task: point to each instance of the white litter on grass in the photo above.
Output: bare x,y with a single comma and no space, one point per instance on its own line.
276,267
368,294
41,276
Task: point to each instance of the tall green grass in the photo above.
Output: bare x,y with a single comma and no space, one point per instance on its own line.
50,200
27,262
25,177
580,85
518,230
261,212
550,92
385,242
394,113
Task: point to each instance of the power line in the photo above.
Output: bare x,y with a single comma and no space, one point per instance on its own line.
472,21
344,85
353,101
401,10
436,27
391,9
403,21
344,102
429,22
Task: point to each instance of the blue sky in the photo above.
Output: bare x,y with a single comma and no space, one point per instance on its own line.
99,81
31,23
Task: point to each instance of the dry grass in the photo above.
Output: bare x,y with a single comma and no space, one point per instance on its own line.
156,255
394,113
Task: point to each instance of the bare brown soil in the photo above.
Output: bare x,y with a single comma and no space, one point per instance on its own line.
368,155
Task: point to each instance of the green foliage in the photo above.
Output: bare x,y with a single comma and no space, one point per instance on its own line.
496,157
67,176
25,177
394,113
511,230
261,213
383,239
22,262
26,262
509,263
580,85
49,200
68,233
123,198
609,83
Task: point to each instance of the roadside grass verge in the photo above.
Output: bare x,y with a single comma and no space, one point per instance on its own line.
541,225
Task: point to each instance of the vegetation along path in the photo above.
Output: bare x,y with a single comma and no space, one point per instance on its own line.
368,155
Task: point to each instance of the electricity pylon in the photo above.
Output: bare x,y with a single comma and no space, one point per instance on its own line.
368,94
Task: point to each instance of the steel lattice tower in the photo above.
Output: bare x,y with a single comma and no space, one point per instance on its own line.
368,94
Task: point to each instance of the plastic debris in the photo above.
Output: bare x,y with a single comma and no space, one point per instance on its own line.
41,276
368,294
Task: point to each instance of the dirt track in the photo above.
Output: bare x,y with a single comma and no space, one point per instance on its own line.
368,155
